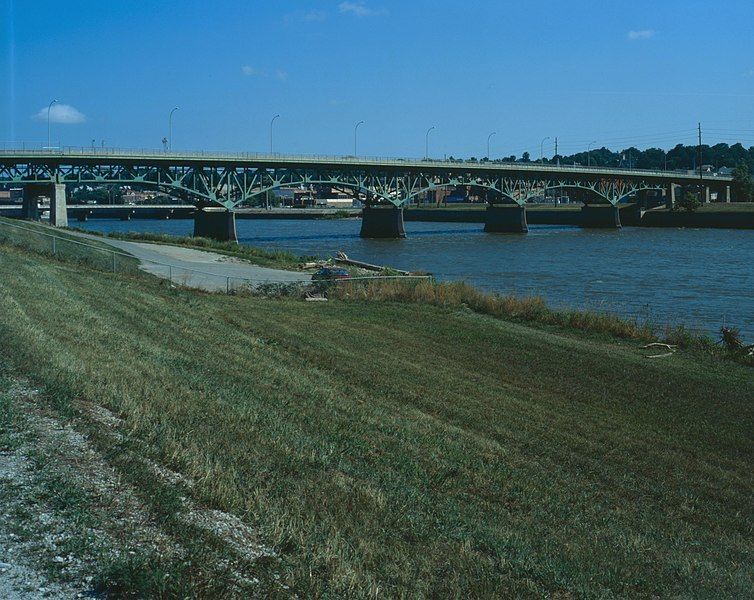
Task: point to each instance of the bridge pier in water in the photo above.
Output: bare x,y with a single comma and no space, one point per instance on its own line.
58,204
215,223
600,216
382,222
505,218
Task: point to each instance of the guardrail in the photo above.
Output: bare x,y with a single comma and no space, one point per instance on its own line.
82,152
114,260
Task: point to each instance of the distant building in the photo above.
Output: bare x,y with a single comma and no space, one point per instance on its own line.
336,200
12,196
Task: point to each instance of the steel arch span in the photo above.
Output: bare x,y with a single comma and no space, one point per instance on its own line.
231,180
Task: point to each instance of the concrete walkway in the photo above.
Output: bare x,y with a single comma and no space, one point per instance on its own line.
199,269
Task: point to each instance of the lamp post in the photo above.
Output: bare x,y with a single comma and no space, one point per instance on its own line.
49,108
588,153
170,128
272,122
489,137
426,142
541,146
355,131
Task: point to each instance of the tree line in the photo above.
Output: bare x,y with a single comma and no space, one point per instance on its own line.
679,158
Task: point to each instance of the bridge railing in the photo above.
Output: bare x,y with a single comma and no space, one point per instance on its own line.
83,152
99,256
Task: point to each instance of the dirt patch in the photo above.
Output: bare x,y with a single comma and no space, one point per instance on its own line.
67,512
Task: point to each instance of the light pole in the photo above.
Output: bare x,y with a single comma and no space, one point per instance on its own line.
355,130
170,128
541,151
49,108
272,122
588,153
426,142
489,137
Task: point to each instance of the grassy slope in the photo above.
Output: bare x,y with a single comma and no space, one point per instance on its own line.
400,447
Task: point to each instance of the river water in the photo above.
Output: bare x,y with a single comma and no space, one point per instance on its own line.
701,278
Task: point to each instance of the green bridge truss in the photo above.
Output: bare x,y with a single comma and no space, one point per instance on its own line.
234,180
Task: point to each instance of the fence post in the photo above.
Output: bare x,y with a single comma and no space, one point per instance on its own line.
113,262
170,273
227,285
54,246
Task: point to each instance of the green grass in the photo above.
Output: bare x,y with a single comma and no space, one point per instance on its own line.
398,448
723,207
38,238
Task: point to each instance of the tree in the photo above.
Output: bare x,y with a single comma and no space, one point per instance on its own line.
688,202
743,184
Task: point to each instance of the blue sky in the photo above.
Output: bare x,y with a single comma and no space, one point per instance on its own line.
615,72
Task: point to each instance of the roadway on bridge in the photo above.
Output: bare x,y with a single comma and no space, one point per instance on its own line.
199,269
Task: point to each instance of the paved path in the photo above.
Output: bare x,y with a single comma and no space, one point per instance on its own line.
198,268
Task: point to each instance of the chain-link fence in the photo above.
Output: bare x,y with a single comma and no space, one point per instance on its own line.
99,256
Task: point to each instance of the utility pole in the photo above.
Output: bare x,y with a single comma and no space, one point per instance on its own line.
701,176
556,151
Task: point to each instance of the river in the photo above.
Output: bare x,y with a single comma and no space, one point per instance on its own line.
701,278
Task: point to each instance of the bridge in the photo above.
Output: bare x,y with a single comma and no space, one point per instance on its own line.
218,184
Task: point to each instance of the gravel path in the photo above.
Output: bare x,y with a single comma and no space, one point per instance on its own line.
200,269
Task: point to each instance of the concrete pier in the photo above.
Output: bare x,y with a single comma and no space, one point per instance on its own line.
670,196
215,223
32,193
382,222
600,216
505,218
58,206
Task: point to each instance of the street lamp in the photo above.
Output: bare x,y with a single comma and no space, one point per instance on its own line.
588,151
170,128
489,137
426,142
49,108
355,130
541,146
272,122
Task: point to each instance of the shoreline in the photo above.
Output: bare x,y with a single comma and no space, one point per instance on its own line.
724,216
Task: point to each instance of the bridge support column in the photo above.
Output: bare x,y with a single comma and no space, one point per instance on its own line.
727,194
382,222
215,223
600,216
505,218
58,206
30,206
670,196
706,194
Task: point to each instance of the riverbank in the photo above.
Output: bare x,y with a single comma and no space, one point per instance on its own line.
505,457
717,215
725,216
